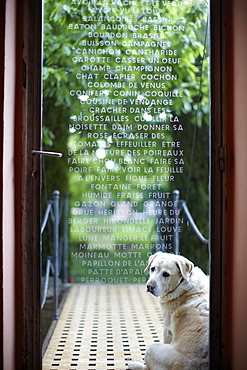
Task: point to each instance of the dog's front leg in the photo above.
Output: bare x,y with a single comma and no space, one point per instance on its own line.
137,366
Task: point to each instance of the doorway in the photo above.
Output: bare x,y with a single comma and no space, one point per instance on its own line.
126,101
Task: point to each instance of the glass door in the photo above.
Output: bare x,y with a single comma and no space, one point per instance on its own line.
126,101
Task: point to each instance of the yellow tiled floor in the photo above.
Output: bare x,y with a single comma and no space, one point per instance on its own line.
103,327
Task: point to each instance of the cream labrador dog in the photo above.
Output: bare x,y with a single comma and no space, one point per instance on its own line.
183,292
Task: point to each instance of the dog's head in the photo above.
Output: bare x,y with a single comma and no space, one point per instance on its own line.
167,272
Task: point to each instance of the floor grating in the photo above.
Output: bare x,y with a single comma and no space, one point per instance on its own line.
103,327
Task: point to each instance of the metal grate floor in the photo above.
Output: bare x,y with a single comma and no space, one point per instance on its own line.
103,327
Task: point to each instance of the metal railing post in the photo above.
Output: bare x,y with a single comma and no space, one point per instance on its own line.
65,238
175,196
56,195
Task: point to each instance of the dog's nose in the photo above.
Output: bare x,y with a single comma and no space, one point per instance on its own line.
150,287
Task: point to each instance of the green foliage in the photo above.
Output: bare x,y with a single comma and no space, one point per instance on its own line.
65,51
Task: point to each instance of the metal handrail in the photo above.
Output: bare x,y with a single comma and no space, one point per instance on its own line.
192,222
46,284
53,263
46,217
179,205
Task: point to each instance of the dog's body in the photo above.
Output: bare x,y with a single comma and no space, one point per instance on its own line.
183,293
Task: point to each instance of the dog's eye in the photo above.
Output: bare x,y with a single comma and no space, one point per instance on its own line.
165,274
152,269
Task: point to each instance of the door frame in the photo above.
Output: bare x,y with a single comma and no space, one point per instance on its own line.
31,139
31,105
218,189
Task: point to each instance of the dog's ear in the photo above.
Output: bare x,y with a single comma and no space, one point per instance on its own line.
150,260
185,266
